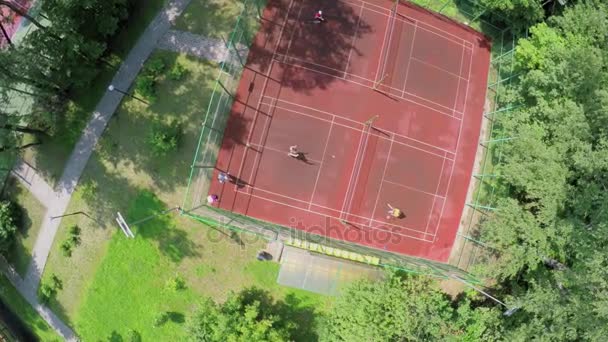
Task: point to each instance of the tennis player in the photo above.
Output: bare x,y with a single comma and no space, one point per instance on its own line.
319,17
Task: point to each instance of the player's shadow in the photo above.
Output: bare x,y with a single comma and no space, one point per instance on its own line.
302,157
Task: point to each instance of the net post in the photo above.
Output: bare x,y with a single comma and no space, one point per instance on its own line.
380,81
371,120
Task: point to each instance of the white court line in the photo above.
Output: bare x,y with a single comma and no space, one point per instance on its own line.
265,147
318,213
414,189
314,188
358,123
390,42
352,172
449,110
440,68
297,27
434,199
387,12
409,61
361,131
352,45
261,143
381,49
456,155
458,87
358,161
388,157
255,117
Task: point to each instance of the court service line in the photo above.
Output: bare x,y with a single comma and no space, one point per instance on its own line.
458,87
361,131
358,165
381,49
388,157
448,109
266,147
255,118
352,45
409,61
358,123
440,68
414,189
314,188
434,199
258,158
353,172
371,220
456,155
296,27
325,215
387,12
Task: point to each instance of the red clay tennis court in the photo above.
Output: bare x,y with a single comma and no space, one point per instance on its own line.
385,105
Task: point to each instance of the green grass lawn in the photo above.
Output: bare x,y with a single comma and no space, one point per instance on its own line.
25,312
129,289
51,156
33,213
111,284
210,18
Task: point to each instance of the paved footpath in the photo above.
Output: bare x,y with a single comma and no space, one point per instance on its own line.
79,158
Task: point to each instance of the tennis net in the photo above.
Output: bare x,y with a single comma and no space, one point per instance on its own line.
382,71
354,179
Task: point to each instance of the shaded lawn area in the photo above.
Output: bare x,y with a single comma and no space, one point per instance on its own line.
214,18
121,165
25,312
33,214
130,288
111,284
51,156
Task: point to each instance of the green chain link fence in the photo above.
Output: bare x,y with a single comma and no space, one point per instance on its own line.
470,248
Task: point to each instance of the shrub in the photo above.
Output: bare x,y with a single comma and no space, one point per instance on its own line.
133,336
46,293
66,248
144,86
72,241
161,318
165,138
10,215
155,67
89,190
175,284
178,72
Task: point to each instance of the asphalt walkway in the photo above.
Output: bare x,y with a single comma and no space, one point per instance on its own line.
58,200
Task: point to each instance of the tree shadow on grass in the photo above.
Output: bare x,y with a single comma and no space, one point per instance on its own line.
126,141
173,242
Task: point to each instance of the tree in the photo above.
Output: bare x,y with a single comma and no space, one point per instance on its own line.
397,309
549,234
9,218
518,14
250,315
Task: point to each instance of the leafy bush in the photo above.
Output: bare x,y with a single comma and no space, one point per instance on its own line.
144,86
175,284
178,72
48,291
165,138
72,241
10,215
88,190
161,318
133,336
155,67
